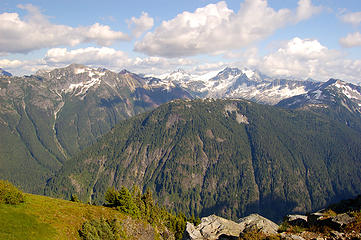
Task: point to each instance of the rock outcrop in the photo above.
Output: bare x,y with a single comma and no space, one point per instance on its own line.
259,223
214,227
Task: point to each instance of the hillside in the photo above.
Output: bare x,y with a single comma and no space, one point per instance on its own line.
47,218
126,215
48,117
228,157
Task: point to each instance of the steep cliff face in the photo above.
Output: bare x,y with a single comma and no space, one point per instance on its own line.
229,157
48,117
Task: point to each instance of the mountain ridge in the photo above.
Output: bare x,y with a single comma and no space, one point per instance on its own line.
238,83
229,157
48,117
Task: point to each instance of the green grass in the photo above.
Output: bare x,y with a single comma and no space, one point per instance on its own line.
18,225
48,218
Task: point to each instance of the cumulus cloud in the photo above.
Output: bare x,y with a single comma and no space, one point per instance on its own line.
89,56
353,18
9,64
35,31
141,24
307,58
22,67
296,58
95,57
216,28
351,40
306,10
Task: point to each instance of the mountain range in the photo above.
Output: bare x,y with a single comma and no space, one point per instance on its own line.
67,130
228,157
48,117
237,83
338,100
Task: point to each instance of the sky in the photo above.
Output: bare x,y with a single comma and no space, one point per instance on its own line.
301,39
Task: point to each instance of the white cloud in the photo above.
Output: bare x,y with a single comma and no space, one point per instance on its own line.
306,10
216,28
304,58
95,57
10,64
35,31
141,24
18,67
89,56
297,58
351,40
353,18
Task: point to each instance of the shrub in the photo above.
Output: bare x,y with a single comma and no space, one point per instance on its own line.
102,229
9,194
122,200
254,234
74,198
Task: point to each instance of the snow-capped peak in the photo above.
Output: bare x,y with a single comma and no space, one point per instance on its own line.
228,73
350,90
179,75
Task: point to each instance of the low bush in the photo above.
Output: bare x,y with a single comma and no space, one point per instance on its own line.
254,234
9,194
102,229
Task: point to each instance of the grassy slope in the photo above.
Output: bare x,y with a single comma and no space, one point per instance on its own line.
48,218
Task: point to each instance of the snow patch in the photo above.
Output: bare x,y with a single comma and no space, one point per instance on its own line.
83,86
318,94
79,70
249,73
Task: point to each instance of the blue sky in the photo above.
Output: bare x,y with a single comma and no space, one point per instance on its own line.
301,39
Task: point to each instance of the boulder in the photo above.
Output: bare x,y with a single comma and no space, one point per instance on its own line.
261,224
334,222
339,221
212,228
290,236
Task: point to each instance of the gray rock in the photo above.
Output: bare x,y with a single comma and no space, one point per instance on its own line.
255,221
336,222
339,221
212,228
289,236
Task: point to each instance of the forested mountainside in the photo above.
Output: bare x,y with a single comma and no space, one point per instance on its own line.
228,157
48,117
